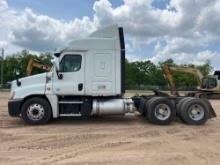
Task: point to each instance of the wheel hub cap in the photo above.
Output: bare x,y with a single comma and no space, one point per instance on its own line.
35,112
196,112
162,111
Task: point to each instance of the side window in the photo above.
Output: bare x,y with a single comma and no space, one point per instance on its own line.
70,63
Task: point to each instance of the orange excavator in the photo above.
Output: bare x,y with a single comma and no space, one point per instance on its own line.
209,87
35,63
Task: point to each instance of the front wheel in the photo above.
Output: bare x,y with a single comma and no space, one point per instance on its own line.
36,111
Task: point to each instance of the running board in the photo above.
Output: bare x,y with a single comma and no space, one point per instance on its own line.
70,115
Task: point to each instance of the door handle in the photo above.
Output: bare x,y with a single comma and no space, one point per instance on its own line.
80,86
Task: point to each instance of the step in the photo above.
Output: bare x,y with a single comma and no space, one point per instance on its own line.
70,102
70,115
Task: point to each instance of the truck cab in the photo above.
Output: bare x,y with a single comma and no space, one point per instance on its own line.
87,73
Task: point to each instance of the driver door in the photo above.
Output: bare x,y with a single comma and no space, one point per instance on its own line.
71,68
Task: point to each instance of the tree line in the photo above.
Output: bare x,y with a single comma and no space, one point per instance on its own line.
147,75
19,61
138,75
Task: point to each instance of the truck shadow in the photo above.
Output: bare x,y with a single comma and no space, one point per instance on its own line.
99,120
106,120
94,120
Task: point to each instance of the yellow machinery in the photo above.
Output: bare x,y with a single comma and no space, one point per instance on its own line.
209,87
34,63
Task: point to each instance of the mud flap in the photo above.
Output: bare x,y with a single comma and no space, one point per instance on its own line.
212,113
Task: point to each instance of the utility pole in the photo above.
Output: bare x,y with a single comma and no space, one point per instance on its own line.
2,67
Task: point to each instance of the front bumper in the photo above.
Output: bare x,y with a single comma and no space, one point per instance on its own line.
14,107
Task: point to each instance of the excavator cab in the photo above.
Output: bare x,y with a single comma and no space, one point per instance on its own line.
209,83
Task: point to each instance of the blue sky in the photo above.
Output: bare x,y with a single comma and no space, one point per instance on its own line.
60,9
68,9
185,30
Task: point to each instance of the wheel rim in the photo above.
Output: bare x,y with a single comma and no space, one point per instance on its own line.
35,112
196,112
162,112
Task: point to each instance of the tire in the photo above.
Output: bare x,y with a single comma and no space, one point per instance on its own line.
154,115
195,111
146,105
36,111
180,103
142,108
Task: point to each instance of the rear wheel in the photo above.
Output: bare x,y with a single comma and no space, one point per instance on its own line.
178,106
160,111
36,111
195,111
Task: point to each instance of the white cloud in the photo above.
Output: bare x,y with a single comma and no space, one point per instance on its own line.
42,33
186,27
3,6
3,44
29,30
197,58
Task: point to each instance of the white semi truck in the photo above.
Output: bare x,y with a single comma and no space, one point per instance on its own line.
88,78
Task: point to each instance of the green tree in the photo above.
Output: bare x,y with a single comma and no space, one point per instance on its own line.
19,62
205,68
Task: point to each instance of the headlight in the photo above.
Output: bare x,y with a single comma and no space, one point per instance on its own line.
12,94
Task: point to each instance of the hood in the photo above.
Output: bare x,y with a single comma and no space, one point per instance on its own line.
35,79
30,80
30,85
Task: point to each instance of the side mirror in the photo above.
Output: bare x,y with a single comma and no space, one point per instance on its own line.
17,75
56,64
57,68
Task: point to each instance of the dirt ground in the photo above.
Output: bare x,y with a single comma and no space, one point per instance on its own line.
108,140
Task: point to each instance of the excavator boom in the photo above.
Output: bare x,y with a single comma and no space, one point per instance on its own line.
169,76
33,63
191,70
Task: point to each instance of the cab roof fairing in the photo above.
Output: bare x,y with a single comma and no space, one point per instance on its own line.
105,39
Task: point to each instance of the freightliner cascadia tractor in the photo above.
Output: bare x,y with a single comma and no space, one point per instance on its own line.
88,78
